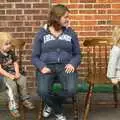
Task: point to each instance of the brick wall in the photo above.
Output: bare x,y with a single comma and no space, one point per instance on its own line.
89,18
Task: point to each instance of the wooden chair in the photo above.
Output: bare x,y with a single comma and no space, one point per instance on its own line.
18,47
97,54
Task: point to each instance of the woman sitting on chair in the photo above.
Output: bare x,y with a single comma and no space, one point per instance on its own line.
56,53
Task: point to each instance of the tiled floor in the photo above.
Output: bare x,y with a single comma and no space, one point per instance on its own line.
98,112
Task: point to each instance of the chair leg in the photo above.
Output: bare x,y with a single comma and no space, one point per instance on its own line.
87,102
40,117
76,107
115,95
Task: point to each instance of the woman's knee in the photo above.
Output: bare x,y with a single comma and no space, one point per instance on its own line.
43,91
71,91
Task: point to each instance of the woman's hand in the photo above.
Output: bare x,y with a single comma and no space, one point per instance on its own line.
69,68
45,70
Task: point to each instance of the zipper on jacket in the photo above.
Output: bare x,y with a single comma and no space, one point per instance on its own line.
58,59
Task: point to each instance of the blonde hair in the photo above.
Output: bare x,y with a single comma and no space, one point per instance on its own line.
4,37
116,35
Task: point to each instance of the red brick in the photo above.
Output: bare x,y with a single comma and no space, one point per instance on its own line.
87,11
103,1
102,6
115,1
88,5
113,11
114,22
75,6
29,35
116,17
40,5
7,17
116,6
31,23
7,29
18,35
3,6
40,17
101,11
13,11
20,17
73,22
24,29
83,1
31,1
31,11
102,17
3,24
104,33
15,23
88,33
99,28
87,22
44,11
74,12
28,46
88,28
14,0
45,1
60,1
22,5
89,17
29,17
2,12
76,17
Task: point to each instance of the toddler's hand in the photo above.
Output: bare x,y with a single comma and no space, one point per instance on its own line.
17,75
114,81
12,77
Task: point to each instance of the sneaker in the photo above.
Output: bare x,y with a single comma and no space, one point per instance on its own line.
16,105
47,111
60,117
13,110
28,104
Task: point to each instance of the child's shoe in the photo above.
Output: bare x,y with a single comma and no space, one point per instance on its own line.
60,117
13,110
28,104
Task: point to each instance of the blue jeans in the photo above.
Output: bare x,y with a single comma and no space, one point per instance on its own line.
44,82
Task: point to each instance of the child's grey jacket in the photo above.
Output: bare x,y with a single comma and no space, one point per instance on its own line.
113,71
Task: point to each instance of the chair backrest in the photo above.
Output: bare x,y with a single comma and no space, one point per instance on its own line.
97,54
18,47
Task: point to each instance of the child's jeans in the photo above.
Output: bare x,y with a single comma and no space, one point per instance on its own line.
2,84
17,88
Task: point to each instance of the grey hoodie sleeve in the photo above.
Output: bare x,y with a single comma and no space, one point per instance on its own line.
76,59
36,52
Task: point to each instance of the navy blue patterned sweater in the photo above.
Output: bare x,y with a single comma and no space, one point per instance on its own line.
49,49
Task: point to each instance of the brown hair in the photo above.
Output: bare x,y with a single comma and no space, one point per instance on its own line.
116,35
55,14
